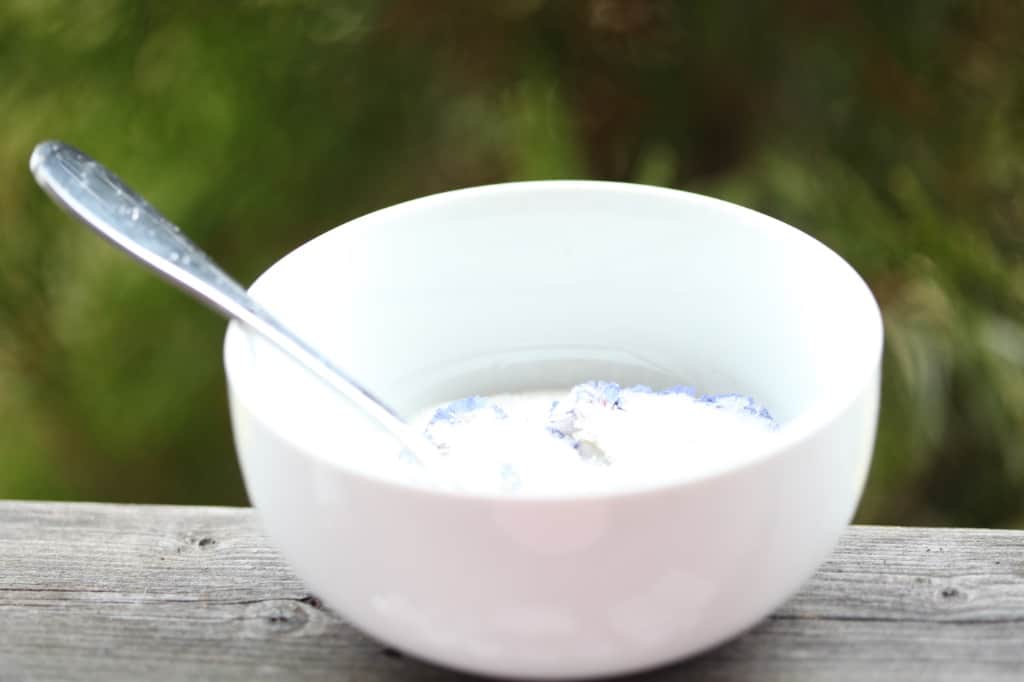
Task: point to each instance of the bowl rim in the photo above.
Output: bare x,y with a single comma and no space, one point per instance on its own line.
801,428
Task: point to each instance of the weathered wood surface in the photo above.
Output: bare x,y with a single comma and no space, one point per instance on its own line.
112,592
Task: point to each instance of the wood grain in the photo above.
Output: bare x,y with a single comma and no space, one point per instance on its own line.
119,592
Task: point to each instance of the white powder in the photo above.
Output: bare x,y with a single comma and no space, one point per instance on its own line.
595,436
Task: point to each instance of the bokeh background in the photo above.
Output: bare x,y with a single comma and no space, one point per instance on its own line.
892,131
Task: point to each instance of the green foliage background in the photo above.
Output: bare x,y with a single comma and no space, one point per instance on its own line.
890,130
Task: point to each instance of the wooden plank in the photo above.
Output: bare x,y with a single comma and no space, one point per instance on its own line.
117,592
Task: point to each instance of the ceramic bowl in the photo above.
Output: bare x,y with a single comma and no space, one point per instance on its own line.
541,285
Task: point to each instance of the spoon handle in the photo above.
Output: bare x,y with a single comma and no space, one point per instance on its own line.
93,194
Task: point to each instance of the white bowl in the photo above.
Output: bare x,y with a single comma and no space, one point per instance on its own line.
539,285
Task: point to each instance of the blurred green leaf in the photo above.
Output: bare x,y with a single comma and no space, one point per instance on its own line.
894,132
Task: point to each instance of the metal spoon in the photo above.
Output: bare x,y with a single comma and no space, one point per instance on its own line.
93,194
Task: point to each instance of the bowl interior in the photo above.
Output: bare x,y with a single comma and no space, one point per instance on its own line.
541,285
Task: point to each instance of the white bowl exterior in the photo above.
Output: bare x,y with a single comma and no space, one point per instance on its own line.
559,589
570,586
